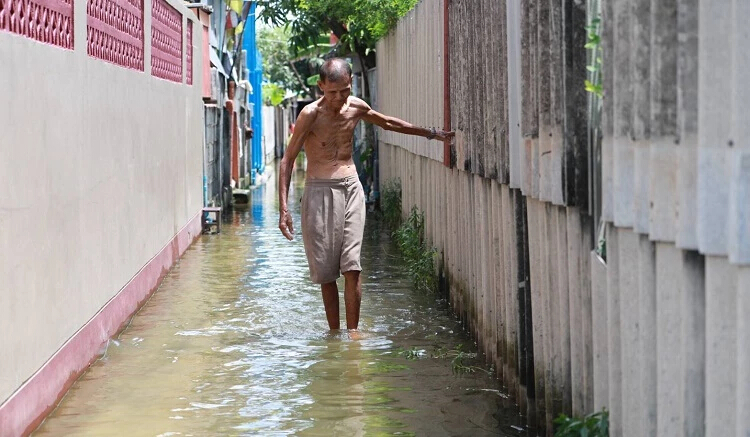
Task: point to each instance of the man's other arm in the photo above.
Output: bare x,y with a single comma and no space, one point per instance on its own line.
301,129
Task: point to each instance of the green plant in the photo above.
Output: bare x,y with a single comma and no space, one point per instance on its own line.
412,354
601,241
273,95
593,83
459,360
592,425
419,256
390,202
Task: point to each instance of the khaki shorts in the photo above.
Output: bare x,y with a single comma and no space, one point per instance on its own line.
333,224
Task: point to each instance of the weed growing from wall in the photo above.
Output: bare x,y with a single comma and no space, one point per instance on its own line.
593,82
390,203
408,235
419,256
592,425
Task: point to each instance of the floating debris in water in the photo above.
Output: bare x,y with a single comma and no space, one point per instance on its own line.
498,392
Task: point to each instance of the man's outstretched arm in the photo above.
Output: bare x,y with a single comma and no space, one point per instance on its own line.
301,129
397,125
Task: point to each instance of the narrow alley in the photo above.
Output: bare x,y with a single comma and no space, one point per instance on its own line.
573,178
235,342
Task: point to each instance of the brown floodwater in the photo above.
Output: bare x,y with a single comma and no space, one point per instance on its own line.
235,343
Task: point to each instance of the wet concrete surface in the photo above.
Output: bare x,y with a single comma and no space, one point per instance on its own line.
235,343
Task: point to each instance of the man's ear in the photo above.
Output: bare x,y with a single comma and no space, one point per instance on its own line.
319,85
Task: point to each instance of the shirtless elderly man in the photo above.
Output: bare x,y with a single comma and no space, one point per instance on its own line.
333,203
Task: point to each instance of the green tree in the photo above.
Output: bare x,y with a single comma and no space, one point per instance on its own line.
358,24
274,46
279,67
273,95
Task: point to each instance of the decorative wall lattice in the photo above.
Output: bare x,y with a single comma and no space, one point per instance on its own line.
189,54
166,41
47,21
115,31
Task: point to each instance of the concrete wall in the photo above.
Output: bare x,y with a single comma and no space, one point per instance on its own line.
419,99
101,169
654,328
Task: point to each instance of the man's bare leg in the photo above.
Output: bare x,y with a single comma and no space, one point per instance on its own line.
352,298
331,303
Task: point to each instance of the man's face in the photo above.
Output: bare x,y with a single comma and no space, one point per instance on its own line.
336,92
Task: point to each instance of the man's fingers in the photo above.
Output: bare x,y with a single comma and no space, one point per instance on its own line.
285,230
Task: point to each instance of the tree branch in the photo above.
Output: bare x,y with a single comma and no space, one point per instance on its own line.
302,82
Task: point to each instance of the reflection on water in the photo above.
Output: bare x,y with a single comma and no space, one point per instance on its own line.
235,342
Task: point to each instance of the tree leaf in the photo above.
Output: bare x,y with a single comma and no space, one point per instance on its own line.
313,80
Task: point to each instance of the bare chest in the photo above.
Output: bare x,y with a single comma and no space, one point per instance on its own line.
334,130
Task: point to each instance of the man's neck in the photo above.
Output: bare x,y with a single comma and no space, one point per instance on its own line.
329,108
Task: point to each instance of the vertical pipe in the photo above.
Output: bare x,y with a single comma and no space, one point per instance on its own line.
220,144
254,64
205,160
446,83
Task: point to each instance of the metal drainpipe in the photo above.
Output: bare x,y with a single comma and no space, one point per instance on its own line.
220,136
446,83
205,159
234,153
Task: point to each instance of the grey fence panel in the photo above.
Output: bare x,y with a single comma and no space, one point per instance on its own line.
651,323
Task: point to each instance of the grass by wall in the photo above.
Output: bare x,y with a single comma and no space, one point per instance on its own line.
408,235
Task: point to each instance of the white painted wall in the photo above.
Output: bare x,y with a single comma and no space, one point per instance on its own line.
269,134
100,166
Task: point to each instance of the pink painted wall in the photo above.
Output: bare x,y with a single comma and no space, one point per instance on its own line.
101,192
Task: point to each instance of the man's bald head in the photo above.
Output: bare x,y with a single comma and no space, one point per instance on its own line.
335,70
